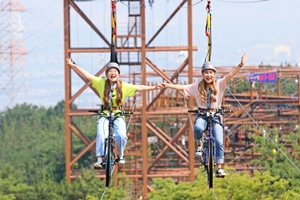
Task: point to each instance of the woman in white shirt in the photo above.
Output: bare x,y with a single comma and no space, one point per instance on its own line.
198,90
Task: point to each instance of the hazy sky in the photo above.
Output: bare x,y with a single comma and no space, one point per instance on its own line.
268,31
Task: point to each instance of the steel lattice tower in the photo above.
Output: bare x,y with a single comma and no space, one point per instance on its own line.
12,73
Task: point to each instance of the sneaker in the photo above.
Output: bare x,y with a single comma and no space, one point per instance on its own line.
99,164
220,173
199,151
122,161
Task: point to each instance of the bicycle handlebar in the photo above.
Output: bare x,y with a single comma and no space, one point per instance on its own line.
123,112
213,112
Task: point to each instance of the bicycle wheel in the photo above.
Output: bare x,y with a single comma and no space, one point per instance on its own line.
210,163
108,163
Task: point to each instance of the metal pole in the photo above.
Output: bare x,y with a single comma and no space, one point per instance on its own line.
191,146
68,131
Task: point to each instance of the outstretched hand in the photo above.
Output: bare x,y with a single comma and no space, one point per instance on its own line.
159,86
244,58
164,85
70,62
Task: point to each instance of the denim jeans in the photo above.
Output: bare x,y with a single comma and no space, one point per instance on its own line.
200,126
119,129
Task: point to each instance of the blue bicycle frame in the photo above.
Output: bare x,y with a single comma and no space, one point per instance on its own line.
209,144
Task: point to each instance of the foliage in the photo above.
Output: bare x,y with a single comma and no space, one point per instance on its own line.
12,186
32,152
32,139
277,158
235,186
241,85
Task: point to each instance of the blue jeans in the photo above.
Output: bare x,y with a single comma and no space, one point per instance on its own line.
200,126
119,129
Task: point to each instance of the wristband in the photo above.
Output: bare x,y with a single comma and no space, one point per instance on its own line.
240,65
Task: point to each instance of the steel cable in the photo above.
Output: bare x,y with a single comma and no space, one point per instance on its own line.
263,131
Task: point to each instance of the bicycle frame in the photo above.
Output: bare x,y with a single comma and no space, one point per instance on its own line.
210,149
110,159
209,144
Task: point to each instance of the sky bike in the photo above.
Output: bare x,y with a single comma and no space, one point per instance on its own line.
109,158
209,146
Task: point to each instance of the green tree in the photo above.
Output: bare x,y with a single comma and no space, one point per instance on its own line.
12,186
33,138
236,186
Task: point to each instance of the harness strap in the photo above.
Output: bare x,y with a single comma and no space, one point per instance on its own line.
208,31
113,108
113,22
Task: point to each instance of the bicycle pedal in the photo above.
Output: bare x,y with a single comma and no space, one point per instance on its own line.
99,168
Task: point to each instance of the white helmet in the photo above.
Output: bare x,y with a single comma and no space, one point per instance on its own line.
208,65
112,65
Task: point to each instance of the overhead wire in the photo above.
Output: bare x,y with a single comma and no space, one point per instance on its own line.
40,14
46,40
127,4
193,4
247,1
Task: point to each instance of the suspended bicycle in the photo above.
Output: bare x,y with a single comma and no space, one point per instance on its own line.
212,117
209,147
109,158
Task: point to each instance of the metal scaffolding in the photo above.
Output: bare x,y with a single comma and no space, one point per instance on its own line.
160,119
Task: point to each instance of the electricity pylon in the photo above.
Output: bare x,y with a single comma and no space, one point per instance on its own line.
12,71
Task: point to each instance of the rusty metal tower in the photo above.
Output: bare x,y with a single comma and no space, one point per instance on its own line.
12,73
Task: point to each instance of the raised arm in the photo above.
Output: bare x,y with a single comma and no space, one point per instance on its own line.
236,69
147,88
173,86
83,72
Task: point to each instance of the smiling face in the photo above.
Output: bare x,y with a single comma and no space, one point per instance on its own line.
209,76
112,75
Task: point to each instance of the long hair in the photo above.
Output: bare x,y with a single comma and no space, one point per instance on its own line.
119,92
202,88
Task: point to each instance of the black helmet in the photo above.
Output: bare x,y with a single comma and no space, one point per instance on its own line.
113,65
208,65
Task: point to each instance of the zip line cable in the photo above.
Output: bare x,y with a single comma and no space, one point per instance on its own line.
128,124
103,193
213,193
263,131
